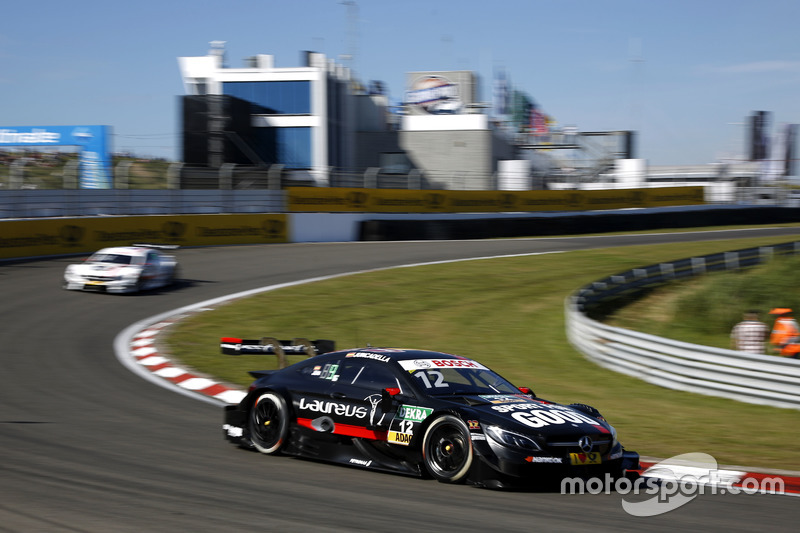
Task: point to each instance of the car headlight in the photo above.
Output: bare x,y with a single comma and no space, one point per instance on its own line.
511,439
614,440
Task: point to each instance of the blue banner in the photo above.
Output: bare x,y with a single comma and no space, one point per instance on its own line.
93,141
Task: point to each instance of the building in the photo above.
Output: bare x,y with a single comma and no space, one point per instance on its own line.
318,125
447,134
324,126
303,118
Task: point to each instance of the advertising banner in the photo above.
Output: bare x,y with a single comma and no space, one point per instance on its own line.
29,238
317,199
95,159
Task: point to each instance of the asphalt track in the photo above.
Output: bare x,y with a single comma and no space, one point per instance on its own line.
88,445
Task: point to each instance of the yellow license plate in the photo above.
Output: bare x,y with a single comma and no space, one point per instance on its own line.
592,458
94,282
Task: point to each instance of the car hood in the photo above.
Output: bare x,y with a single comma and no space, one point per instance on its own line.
103,268
528,415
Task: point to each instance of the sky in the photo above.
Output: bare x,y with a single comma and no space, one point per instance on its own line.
685,75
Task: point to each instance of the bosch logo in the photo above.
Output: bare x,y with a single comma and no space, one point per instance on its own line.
422,364
71,235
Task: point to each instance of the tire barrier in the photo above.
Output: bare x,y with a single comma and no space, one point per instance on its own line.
759,379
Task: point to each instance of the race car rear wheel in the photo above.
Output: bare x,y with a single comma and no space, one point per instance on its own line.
269,423
447,449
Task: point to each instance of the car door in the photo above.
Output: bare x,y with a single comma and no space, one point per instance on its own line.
151,269
362,383
349,398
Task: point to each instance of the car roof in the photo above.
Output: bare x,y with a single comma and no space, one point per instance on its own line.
398,354
124,250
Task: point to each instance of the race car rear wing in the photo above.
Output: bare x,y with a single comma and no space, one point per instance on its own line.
157,246
273,346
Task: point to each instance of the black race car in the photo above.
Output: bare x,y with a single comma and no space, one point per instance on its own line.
422,413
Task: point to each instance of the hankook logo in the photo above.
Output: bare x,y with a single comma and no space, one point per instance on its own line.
508,201
273,227
435,200
574,199
71,235
357,199
637,197
173,230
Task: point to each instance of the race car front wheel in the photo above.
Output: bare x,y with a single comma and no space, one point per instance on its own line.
447,449
269,423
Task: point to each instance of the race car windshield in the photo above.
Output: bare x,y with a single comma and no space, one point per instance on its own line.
112,258
456,381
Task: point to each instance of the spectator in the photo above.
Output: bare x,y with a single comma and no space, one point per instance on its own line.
750,335
785,337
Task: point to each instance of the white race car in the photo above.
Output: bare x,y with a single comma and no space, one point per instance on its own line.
124,269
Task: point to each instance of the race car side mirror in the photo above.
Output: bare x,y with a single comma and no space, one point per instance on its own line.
387,397
528,391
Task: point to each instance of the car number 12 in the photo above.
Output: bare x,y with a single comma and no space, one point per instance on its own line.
438,379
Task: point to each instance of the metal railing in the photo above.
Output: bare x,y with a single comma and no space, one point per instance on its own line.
77,203
760,379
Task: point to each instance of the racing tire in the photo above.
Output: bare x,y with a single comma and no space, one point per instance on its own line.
173,277
269,423
447,449
137,287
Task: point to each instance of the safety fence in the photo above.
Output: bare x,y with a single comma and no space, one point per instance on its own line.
760,379
115,202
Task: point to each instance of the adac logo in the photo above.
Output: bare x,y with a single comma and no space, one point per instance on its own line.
273,228
574,200
71,235
357,199
435,200
508,201
173,230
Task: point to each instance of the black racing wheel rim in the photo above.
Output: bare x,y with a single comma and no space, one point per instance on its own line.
266,423
448,450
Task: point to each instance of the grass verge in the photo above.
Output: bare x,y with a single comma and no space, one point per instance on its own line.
507,313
